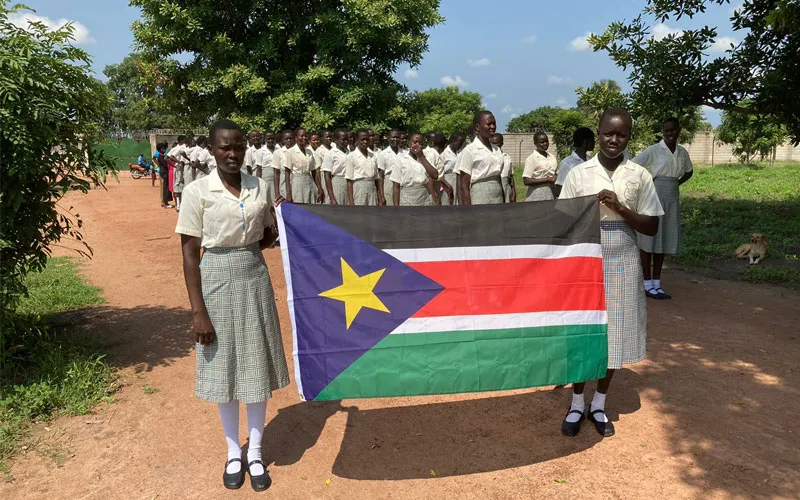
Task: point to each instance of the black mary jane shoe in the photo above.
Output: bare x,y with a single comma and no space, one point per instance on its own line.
571,429
653,294
261,482
606,429
236,480
664,295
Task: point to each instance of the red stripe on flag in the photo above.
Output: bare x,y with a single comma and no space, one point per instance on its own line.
475,287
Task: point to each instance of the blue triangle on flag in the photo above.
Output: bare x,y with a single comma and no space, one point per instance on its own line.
324,346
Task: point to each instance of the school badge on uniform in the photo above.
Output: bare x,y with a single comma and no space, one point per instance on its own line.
384,305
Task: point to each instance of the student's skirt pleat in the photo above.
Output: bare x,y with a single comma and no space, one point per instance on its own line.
451,179
507,189
177,185
268,176
487,191
668,237
415,196
625,301
246,362
542,192
339,184
303,188
365,193
388,190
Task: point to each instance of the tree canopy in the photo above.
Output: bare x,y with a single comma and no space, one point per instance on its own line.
560,122
750,135
676,72
278,64
50,113
445,110
138,103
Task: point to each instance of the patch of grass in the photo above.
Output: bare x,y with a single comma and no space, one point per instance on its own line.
47,371
723,205
148,389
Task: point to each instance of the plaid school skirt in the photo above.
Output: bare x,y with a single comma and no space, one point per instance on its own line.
668,238
451,179
388,190
625,300
304,190
365,193
487,191
542,192
246,362
268,176
415,196
339,184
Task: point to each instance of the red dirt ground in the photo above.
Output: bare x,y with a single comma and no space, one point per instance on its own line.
710,414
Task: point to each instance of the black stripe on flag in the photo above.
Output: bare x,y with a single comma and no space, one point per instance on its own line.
556,222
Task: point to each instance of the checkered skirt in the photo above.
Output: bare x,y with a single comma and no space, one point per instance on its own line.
246,362
303,188
365,193
177,186
451,179
507,189
487,191
625,301
388,190
339,184
268,176
668,238
541,192
415,196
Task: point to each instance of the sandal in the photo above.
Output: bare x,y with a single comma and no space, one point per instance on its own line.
260,482
571,429
663,294
236,480
606,429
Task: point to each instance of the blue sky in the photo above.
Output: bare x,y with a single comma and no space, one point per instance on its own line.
517,54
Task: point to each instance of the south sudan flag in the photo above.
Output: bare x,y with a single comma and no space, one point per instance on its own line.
434,300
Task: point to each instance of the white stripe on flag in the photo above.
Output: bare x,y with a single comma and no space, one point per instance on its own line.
499,252
501,321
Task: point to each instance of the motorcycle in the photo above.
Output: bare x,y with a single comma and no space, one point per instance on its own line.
139,171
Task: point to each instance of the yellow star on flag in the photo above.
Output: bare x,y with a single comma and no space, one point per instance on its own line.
356,292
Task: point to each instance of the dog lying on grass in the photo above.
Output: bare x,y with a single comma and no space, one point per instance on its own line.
755,250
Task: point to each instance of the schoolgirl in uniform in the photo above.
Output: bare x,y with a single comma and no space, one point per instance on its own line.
507,174
414,174
302,172
361,173
180,158
670,166
628,204
225,222
540,170
160,157
387,160
433,153
333,169
450,159
480,165
264,160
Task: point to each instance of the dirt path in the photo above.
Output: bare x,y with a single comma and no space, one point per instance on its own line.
710,414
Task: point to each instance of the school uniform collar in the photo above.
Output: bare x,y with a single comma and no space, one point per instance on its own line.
249,183
594,162
663,144
296,149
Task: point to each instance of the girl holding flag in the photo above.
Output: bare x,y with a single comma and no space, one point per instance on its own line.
628,204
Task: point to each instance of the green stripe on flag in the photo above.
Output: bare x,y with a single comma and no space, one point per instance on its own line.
471,361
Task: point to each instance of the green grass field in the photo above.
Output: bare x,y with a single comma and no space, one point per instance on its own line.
48,371
723,205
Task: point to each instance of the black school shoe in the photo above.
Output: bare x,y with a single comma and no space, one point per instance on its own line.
571,429
262,481
236,480
606,429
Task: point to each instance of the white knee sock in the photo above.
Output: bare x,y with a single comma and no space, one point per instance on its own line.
229,414
599,403
648,284
656,284
578,403
256,416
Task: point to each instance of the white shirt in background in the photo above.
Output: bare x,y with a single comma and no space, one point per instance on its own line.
568,164
480,162
334,161
507,171
664,163
300,162
321,153
630,181
435,159
221,220
388,160
538,166
409,172
358,166
450,160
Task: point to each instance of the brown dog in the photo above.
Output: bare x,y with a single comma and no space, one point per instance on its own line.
755,250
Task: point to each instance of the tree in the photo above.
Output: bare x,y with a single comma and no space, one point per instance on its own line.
600,96
445,110
675,72
50,112
285,63
562,123
750,135
138,103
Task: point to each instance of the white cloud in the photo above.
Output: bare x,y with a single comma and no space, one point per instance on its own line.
507,109
580,43
513,115
561,102
491,96
511,110
80,33
457,81
479,62
411,73
530,39
722,44
661,31
559,80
